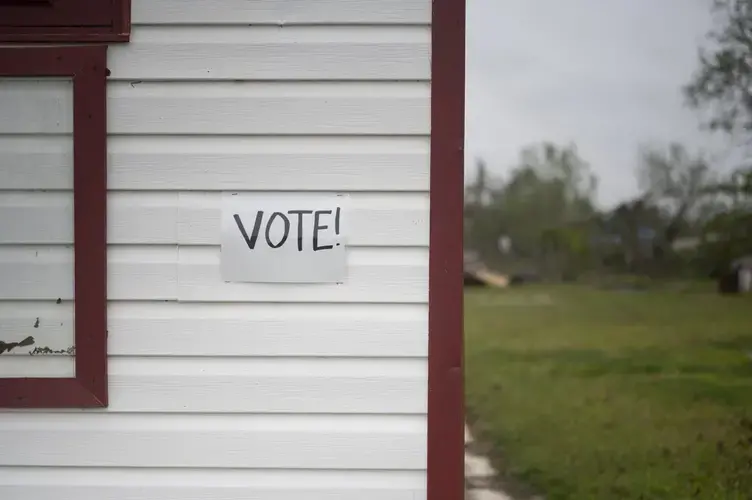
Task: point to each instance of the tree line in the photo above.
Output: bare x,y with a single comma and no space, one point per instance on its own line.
688,219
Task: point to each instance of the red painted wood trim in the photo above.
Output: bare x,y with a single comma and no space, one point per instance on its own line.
122,20
446,413
90,220
116,28
57,13
87,66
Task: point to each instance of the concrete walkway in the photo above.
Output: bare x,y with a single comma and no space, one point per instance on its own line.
478,475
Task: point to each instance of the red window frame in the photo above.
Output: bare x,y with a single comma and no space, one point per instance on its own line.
65,20
87,66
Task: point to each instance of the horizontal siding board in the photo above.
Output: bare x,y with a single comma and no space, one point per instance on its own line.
194,218
217,163
164,441
243,108
275,12
267,478
245,53
256,385
112,483
373,276
370,330
36,217
366,337
268,115
270,34
275,330
264,394
367,283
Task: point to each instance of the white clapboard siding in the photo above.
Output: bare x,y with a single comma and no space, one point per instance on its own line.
46,273
276,12
374,275
230,391
193,218
36,217
256,385
197,329
226,441
273,53
219,163
192,274
243,108
135,483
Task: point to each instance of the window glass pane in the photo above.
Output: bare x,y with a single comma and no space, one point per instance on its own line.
36,228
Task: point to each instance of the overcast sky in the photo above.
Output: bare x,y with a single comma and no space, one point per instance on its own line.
605,74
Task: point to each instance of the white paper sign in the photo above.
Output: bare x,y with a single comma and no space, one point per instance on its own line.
278,238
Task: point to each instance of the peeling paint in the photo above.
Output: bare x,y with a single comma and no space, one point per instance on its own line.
9,346
41,351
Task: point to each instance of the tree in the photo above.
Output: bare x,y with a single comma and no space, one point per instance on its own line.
632,224
563,166
675,182
737,188
543,204
723,82
727,234
482,224
543,208
477,192
723,86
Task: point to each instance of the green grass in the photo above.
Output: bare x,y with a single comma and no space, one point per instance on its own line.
612,395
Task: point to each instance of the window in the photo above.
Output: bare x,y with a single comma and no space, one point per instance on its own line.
64,20
85,67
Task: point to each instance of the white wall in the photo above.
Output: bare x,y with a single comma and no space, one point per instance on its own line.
230,391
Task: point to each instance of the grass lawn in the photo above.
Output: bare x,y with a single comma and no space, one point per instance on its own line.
612,395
